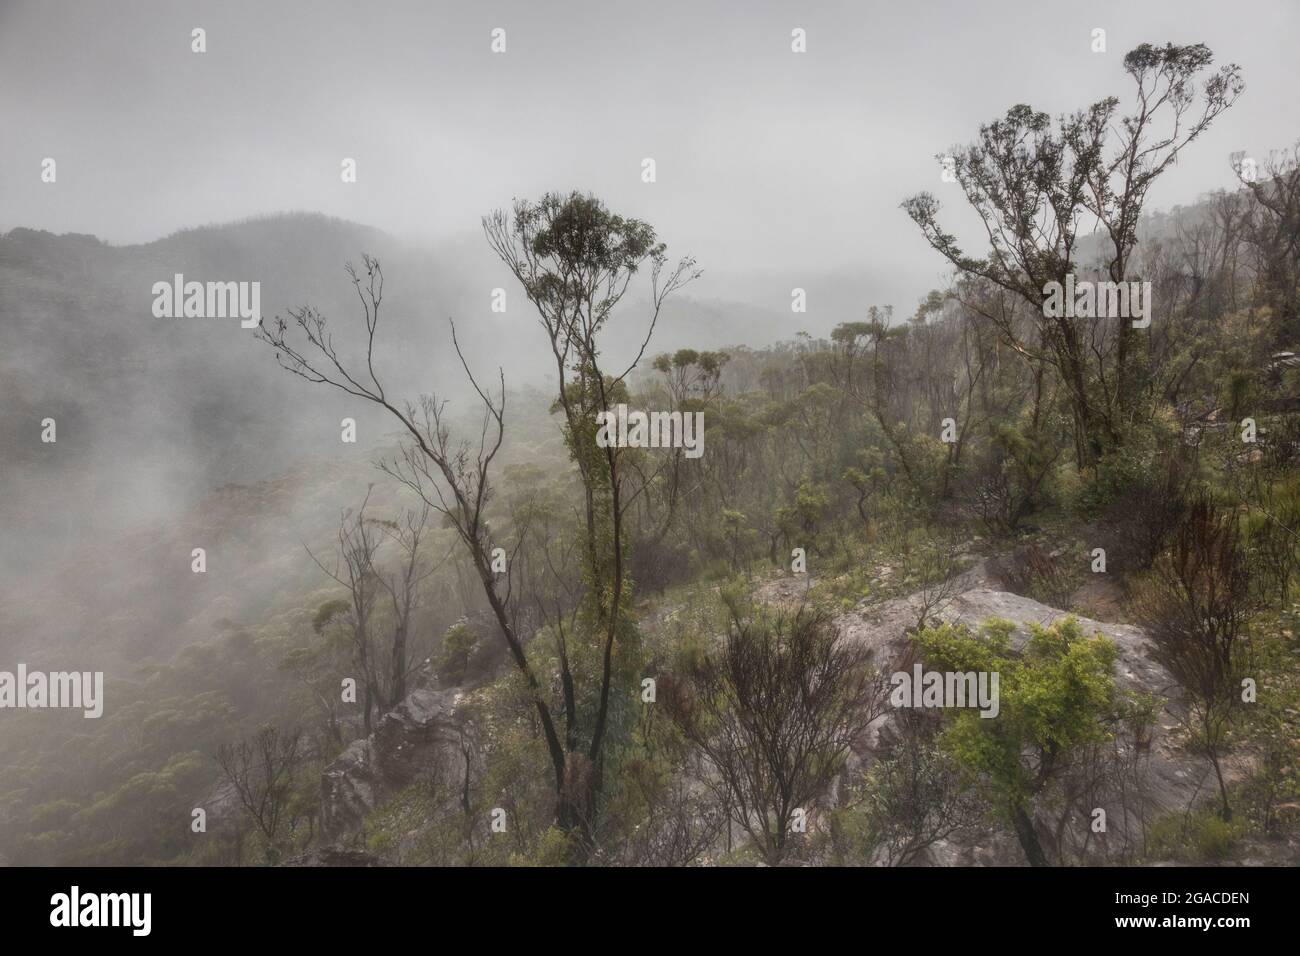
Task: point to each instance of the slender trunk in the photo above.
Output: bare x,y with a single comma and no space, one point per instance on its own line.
1212,749
1225,811
593,777
399,664
1212,740
1027,836
483,567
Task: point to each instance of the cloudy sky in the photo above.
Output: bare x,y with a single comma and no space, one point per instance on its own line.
765,158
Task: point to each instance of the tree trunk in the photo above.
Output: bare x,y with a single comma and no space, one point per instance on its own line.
399,665
1028,836
1225,810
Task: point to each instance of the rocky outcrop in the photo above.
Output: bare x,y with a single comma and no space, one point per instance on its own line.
1170,777
408,741
416,736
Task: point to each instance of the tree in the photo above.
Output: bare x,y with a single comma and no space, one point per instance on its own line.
355,570
575,260
429,459
1056,697
457,645
261,770
403,589
689,381
1039,188
319,666
1272,229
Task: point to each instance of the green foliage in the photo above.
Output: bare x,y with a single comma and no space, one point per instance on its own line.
453,656
1133,468
1194,837
1057,694
552,847
826,444
329,612
1271,795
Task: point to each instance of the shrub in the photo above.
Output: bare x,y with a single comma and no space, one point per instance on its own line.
453,658
1195,606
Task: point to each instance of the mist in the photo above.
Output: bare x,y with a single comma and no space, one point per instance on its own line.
305,136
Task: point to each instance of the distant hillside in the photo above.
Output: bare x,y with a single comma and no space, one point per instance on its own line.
189,404
153,412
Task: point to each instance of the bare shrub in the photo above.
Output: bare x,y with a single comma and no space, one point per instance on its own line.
774,714
1195,607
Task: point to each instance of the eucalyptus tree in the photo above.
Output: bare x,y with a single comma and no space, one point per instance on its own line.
1042,188
576,261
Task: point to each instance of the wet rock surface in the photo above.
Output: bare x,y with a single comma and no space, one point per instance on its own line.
412,738
1169,777
408,740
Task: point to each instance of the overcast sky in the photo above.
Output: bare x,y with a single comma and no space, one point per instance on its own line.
765,158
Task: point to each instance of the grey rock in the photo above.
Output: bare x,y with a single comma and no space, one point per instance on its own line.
407,741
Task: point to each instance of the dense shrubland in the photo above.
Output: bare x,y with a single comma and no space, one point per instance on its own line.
890,455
